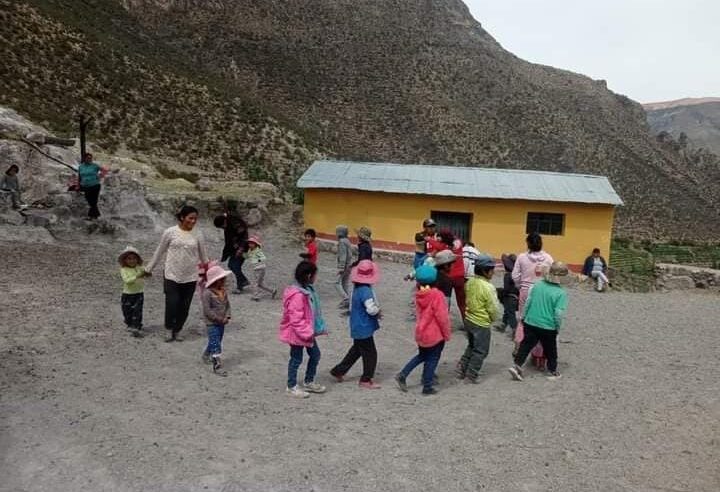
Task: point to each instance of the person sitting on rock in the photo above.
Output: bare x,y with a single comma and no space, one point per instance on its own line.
596,267
10,183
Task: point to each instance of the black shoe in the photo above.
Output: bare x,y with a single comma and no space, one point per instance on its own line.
430,392
217,367
401,382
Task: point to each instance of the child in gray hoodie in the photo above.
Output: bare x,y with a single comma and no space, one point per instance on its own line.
344,262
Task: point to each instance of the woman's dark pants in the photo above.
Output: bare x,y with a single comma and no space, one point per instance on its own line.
178,298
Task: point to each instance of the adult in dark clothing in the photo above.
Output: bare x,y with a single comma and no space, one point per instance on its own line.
429,232
236,237
596,267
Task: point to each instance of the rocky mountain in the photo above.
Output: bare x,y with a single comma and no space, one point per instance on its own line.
258,87
698,119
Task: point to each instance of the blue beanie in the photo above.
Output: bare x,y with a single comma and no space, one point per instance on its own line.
426,274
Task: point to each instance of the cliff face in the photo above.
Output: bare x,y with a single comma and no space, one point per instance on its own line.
698,119
413,81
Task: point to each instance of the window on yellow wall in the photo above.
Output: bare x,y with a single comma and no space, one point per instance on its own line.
545,223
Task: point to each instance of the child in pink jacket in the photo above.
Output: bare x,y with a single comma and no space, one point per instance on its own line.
301,323
432,330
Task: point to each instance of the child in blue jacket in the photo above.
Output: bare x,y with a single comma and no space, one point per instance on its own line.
364,321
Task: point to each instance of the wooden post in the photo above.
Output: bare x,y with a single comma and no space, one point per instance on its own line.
84,122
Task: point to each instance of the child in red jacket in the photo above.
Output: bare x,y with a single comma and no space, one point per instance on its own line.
432,330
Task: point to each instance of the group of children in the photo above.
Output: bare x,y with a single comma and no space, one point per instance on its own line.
302,320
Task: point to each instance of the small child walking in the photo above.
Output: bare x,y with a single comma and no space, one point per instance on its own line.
365,318
432,330
543,316
132,298
311,249
257,260
216,309
344,265
510,297
482,310
301,323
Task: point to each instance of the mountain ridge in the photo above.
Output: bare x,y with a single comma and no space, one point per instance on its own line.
406,81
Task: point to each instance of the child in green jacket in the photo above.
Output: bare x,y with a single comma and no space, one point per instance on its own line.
482,309
544,312
133,298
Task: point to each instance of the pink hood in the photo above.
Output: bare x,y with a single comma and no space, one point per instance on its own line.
433,318
297,324
529,268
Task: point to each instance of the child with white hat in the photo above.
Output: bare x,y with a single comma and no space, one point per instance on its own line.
216,309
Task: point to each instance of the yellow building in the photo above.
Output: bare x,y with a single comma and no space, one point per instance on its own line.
494,208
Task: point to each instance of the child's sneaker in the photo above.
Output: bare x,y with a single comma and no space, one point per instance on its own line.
369,385
313,387
217,367
206,358
553,376
401,382
429,392
459,371
296,392
516,373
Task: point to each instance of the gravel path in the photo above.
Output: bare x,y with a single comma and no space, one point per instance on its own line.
85,407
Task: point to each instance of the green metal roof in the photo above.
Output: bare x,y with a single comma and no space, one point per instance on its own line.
467,182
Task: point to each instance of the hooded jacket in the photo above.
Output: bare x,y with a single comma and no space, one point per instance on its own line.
344,249
297,326
433,319
529,268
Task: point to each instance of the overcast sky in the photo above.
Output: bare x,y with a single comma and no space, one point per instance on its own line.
649,50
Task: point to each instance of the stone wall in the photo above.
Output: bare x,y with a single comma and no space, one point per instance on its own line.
684,277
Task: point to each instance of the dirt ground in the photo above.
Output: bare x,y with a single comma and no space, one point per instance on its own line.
85,407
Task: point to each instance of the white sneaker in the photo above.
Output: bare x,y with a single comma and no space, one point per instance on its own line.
314,387
553,376
297,392
516,373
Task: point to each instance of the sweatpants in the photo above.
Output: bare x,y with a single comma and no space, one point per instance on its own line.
364,348
478,348
178,298
342,285
548,340
92,195
430,358
132,309
259,283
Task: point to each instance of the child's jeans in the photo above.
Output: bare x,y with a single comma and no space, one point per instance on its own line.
296,357
132,309
259,284
430,357
510,305
215,337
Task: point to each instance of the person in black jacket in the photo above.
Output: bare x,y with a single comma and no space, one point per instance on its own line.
365,251
236,237
510,295
596,267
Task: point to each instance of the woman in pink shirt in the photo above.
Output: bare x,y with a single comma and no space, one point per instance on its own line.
529,268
